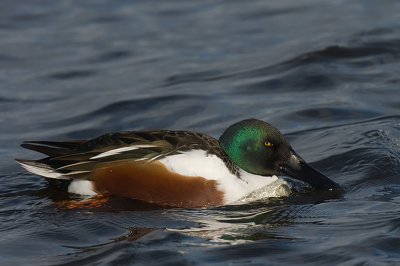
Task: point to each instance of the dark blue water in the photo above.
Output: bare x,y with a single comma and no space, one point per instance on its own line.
326,73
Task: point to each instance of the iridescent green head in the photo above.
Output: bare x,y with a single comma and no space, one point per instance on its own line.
256,146
260,149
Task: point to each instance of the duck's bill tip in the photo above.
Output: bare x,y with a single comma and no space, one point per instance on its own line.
297,168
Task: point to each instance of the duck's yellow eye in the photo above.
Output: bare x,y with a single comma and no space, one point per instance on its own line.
267,143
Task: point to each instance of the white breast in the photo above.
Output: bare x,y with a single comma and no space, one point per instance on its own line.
197,163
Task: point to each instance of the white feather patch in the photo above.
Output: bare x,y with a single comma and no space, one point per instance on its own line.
81,187
121,150
211,167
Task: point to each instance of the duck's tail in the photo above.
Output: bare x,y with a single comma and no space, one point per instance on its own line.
48,167
39,168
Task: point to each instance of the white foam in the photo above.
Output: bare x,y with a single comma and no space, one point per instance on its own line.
278,188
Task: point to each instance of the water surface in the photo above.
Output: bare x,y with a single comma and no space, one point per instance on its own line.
325,73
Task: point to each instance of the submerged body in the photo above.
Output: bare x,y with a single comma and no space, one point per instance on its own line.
175,168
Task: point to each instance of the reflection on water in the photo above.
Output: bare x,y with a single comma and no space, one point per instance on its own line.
325,74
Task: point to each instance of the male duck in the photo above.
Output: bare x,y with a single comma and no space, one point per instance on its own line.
175,168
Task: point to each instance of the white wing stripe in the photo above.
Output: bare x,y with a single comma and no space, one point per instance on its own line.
120,150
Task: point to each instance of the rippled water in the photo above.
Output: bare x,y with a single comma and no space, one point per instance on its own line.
327,74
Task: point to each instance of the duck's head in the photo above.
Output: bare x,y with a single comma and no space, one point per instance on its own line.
260,149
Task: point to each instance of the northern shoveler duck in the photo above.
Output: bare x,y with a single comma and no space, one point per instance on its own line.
175,168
